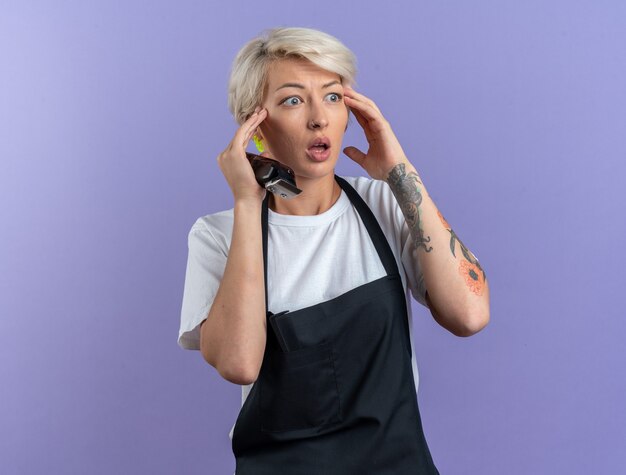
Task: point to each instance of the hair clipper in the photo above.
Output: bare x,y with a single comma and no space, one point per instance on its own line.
274,176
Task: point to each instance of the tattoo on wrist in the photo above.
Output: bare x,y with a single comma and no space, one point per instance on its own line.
406,189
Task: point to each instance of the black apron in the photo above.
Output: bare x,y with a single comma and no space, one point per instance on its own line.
335,394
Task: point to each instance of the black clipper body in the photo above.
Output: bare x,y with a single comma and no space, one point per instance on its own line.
274,176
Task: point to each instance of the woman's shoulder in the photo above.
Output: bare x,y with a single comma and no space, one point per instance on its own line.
214,221
213,228
376,193
380,199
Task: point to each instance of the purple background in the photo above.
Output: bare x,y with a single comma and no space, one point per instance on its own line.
111,117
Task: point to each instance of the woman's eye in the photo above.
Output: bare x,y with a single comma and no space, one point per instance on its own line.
292,101
334,97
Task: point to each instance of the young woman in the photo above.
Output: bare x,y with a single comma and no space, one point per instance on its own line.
306,302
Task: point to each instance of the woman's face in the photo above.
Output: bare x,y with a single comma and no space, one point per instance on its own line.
304,106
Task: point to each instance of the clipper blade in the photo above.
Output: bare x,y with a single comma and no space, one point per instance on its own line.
282,188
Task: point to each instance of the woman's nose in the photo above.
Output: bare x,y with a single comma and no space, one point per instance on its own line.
318,119
317,123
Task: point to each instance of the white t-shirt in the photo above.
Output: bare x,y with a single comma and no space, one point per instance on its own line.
320,258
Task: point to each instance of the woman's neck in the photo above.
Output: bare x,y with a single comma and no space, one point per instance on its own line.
318,195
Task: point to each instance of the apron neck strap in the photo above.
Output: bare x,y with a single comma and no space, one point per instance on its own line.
264,214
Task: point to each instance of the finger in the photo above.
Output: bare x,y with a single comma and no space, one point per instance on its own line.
368,112
360,119
355,154
255,119
364,123
255,111
248,128
348,91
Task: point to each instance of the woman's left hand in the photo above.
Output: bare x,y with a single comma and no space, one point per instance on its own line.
384,151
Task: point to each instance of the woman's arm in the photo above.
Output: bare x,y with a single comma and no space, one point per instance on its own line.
457,291
232,338
458,294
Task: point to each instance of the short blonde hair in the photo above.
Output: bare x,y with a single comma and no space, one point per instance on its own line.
249,70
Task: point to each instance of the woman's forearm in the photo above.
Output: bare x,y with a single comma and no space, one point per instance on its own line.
233,336
457,290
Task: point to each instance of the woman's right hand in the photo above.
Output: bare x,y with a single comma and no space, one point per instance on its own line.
235,165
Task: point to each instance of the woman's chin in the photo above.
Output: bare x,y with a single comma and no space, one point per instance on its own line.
314,169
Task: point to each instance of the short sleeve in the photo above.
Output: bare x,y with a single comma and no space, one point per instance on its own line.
206,262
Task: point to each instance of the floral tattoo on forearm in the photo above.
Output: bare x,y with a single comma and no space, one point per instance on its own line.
406,189
470,269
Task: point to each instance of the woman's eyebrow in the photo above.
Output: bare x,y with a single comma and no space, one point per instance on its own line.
300,86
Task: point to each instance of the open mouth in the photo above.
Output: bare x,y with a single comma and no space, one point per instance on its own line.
319,153
319,147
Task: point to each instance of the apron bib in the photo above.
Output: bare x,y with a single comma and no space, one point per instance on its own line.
335,393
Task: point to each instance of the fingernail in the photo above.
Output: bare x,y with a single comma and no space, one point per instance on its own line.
258,108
